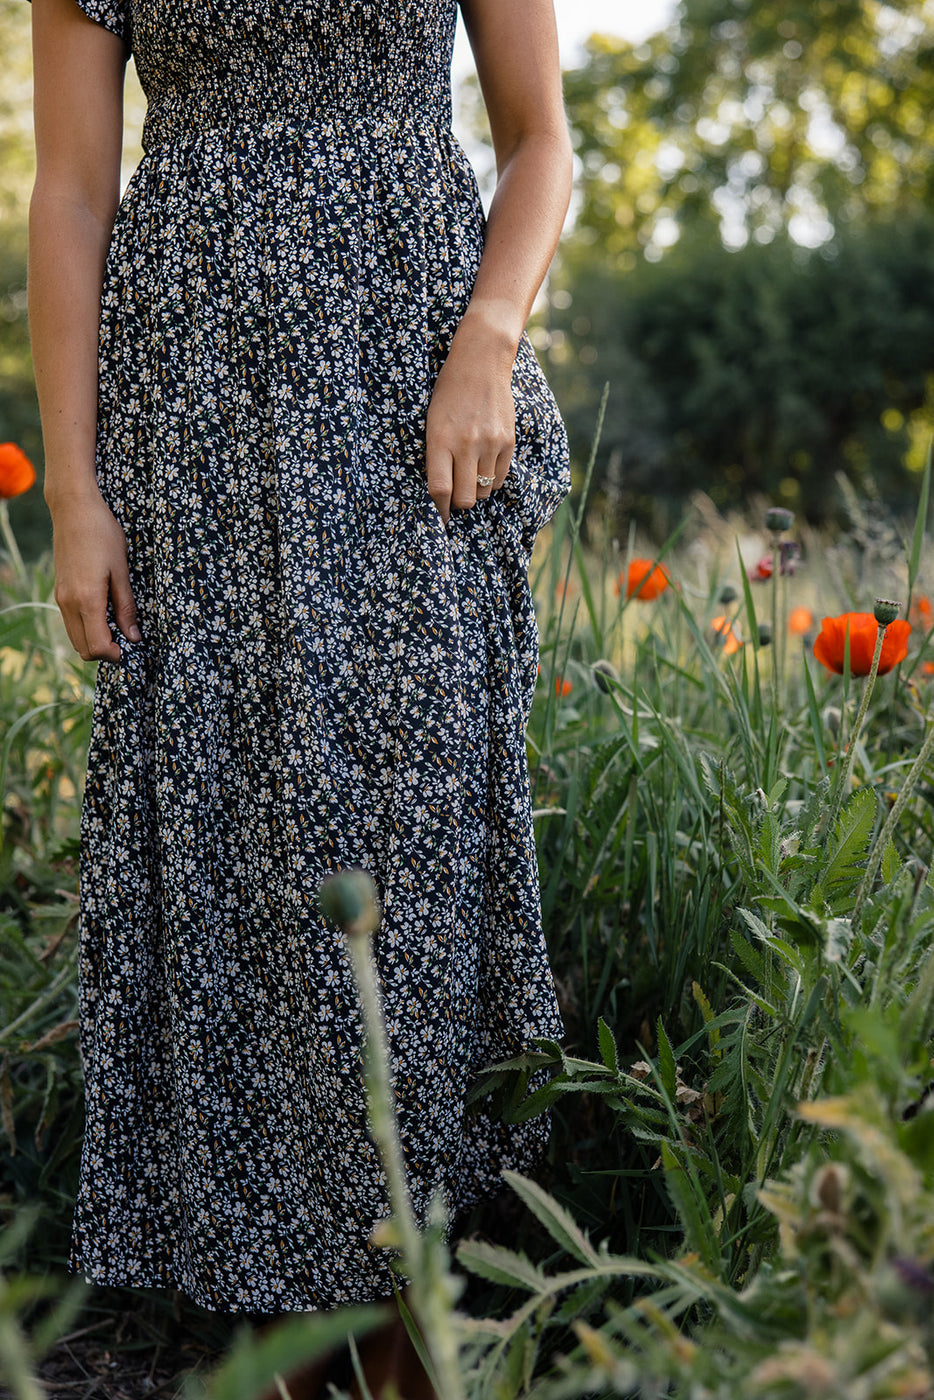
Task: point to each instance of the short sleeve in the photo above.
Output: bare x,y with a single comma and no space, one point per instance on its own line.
111,14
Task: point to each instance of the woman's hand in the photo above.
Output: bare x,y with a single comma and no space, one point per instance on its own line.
90,560
471,424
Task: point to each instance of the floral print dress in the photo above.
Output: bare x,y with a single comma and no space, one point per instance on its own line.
328,676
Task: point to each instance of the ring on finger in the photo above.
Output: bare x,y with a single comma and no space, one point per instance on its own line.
485,480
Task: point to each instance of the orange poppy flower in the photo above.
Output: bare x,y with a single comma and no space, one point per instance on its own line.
927,668
17,473
562,687
564,590
830,646
644,579
725,636
800,620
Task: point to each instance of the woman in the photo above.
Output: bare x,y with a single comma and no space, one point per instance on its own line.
297,452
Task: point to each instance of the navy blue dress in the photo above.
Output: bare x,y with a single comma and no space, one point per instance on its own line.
329,676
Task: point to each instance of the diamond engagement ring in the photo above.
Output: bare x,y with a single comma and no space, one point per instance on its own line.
485,480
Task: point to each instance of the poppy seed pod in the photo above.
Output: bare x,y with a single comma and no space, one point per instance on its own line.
832,717
348,898
604,672
778,519
885,611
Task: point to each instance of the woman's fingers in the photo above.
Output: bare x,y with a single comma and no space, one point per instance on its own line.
504,463
90,561
89,631
101,645
485,471
440,465
124,604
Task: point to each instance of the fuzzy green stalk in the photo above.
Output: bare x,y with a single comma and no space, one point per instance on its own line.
780,638
846,771
891,821
350,899
9,540
15,1362
776,573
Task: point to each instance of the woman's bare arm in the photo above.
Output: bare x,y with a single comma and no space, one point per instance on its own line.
78,105
471,418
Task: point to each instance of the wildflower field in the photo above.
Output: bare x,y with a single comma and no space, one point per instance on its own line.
731,756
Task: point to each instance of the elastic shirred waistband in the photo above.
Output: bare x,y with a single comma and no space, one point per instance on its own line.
171,116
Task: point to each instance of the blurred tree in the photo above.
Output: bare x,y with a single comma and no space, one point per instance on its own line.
754,118
763,369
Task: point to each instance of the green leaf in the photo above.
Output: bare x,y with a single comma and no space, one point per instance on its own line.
608,1046
499,1265
851,837
254,1362
667,1069
750,957
690,1204
891,865
559,1223
706,1010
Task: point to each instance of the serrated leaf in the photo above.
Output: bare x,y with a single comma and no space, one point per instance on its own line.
691,1211
667,1069
891,865
499,1265
608,1046
851,837
760,929
706,1010
559,1222
750,957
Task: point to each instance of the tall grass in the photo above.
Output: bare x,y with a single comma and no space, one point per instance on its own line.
737,899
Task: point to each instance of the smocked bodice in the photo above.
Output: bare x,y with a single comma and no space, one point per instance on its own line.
221,63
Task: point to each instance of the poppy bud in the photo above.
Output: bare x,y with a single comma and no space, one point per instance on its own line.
604,672
727,595
348,898
765,633
885,612
832,717
778,519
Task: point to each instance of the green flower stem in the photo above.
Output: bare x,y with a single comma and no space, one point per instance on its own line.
891,821
432,1288
9,540
776,571
840,790
780,638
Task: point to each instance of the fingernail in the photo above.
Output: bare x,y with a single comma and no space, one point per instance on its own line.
134,634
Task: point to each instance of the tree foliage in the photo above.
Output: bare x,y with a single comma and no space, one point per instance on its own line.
798,115
764,369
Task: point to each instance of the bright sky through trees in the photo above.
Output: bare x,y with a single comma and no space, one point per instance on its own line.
634,19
